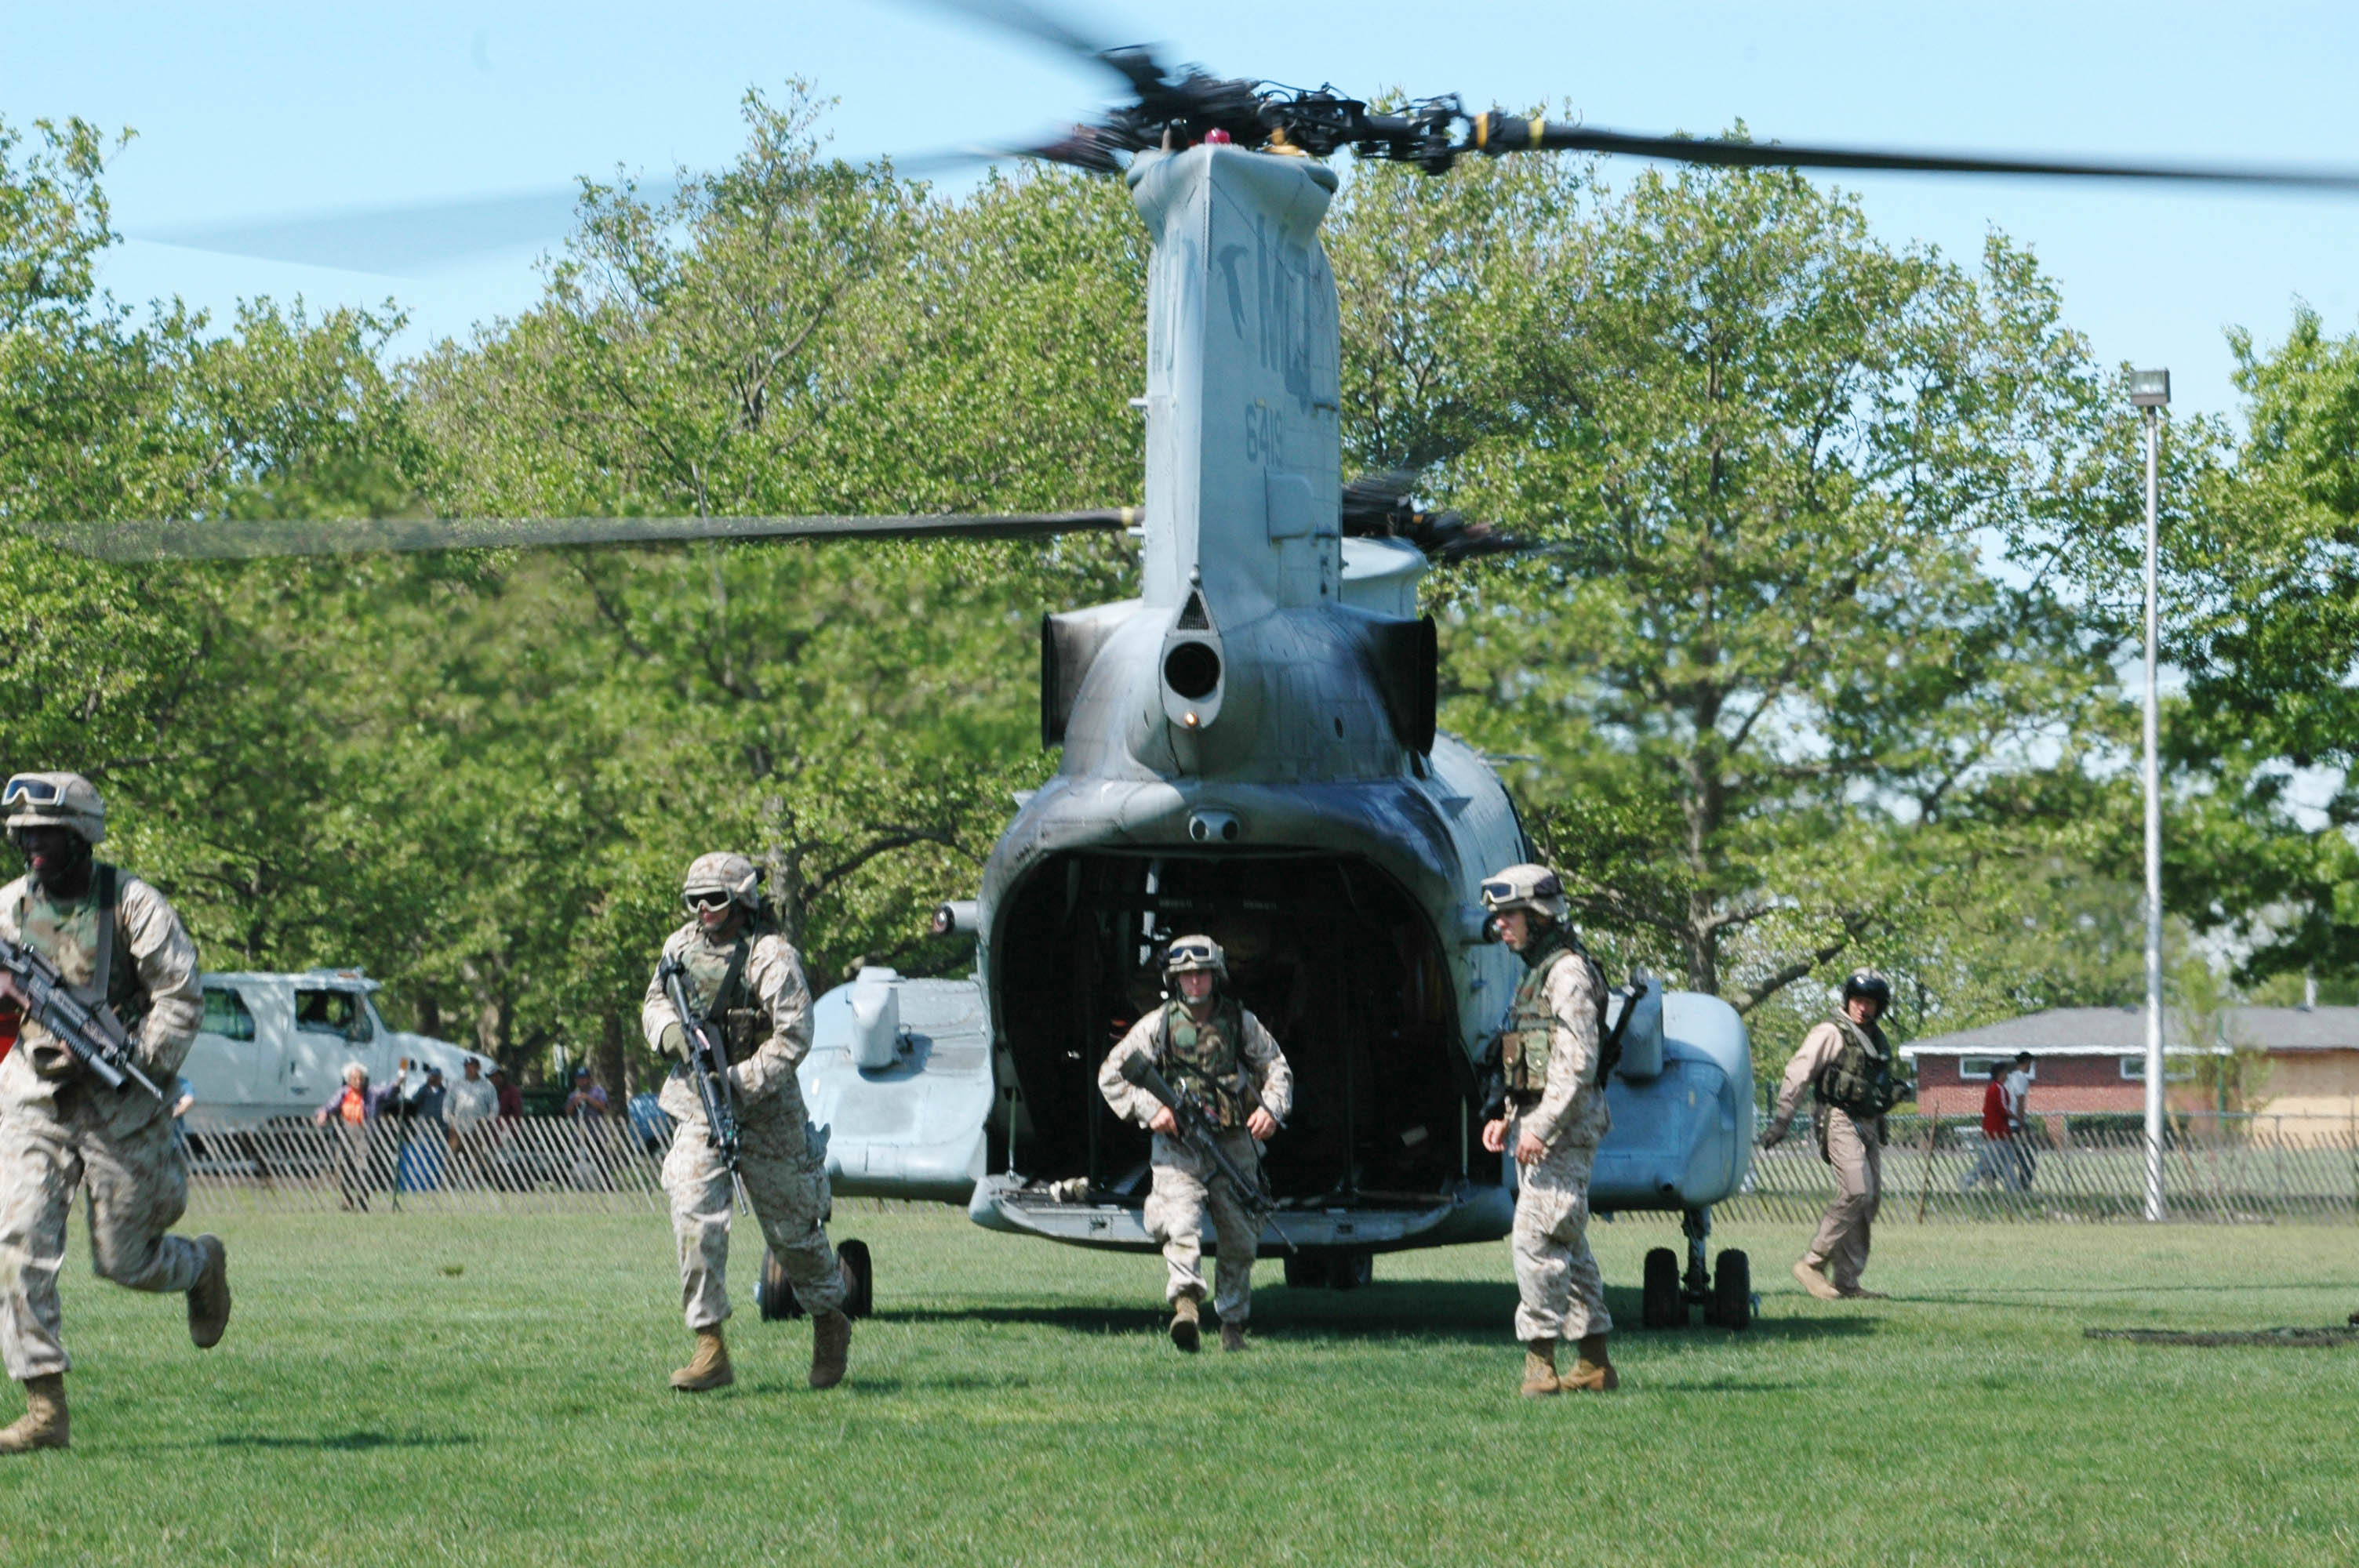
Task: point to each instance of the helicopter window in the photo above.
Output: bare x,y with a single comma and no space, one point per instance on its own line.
334,1012
226,1014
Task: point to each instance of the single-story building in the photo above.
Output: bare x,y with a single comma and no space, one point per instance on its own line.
2093,1059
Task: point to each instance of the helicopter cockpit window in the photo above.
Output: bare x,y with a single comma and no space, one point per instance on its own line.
226,1014
334,1012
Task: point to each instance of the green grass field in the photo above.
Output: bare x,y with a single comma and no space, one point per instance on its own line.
410,1390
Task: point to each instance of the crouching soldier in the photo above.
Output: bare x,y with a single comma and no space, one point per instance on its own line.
747,985
1207,1047
114,940
1552,1119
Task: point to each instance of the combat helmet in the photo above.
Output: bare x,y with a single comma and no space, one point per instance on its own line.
55,800
1869,984
1191,955
1527,886
722,872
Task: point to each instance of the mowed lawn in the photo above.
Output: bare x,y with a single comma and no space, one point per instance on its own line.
411,1390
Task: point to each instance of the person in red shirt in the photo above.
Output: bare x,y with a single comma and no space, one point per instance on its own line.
1995,1161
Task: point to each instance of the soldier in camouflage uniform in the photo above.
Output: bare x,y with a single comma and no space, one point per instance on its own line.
748,984
1850,1067
1211,1047
115,939
1552,1117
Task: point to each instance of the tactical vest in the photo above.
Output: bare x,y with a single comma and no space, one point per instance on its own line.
1859,1081
1206,1061
1524,1048
83,938
717,991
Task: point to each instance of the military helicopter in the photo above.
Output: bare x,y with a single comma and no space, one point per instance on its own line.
1250,748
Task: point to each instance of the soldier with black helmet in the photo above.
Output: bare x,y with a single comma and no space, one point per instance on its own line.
747,983
1855,1074
1550,1114
118,943
1211,1047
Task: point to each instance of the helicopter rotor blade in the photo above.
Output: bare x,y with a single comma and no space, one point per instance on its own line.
161,540
1495,133
1032,22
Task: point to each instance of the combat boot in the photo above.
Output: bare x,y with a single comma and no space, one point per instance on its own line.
209,1297
709,1367
43,1424
831,1349
1233,1337
1186,1330
1539,1369
1816,1282
1593,1373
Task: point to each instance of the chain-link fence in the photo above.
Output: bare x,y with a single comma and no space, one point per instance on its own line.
520,1164
2219,1168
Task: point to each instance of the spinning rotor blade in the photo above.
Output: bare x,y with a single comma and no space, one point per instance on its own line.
156,541
1495,133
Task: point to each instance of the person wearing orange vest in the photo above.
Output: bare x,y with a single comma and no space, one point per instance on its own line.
350,1110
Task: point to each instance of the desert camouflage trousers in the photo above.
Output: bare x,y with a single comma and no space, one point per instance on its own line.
1562,1296
1840,1248
1186,1186
790,1199
135,1185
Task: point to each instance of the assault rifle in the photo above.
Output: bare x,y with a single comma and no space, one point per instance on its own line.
90,1032
1196,1128
708,1065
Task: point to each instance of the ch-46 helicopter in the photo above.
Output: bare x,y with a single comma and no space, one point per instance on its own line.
1250,749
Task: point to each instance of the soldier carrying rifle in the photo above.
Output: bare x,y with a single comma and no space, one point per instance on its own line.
104,1000
741,1117
1209,1048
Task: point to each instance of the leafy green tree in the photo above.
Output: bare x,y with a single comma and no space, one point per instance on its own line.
1779,698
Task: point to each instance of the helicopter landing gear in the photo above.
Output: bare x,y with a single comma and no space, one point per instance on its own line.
774,1294
1334,1270
1723,1291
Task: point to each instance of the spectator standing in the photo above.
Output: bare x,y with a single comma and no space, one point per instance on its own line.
472,1103
587,1103
1996,1160
2019,1113
352,1110
427,1104
510,1097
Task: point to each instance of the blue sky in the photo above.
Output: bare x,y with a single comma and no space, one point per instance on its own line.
260,109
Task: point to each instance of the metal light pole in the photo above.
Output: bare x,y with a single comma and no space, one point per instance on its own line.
2150,390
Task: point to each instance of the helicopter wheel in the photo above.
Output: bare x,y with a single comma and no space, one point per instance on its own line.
859,1277
1732,1290
1351,1270
1305,1270
774,1294
1662,1305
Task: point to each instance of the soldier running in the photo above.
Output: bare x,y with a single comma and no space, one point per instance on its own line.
1555,1118
1211,1048
115,940
748,984
1850,1066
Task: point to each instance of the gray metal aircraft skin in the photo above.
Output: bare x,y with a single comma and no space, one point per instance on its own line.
1248,750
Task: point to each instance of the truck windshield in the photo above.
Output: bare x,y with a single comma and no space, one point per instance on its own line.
333,1013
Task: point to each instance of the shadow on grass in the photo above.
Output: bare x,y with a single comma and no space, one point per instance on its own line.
1469,1313
346,1443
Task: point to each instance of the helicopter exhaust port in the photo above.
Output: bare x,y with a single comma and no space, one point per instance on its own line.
1192,669
1214,827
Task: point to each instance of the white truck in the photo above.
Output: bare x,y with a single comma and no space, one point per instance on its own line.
274,1045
